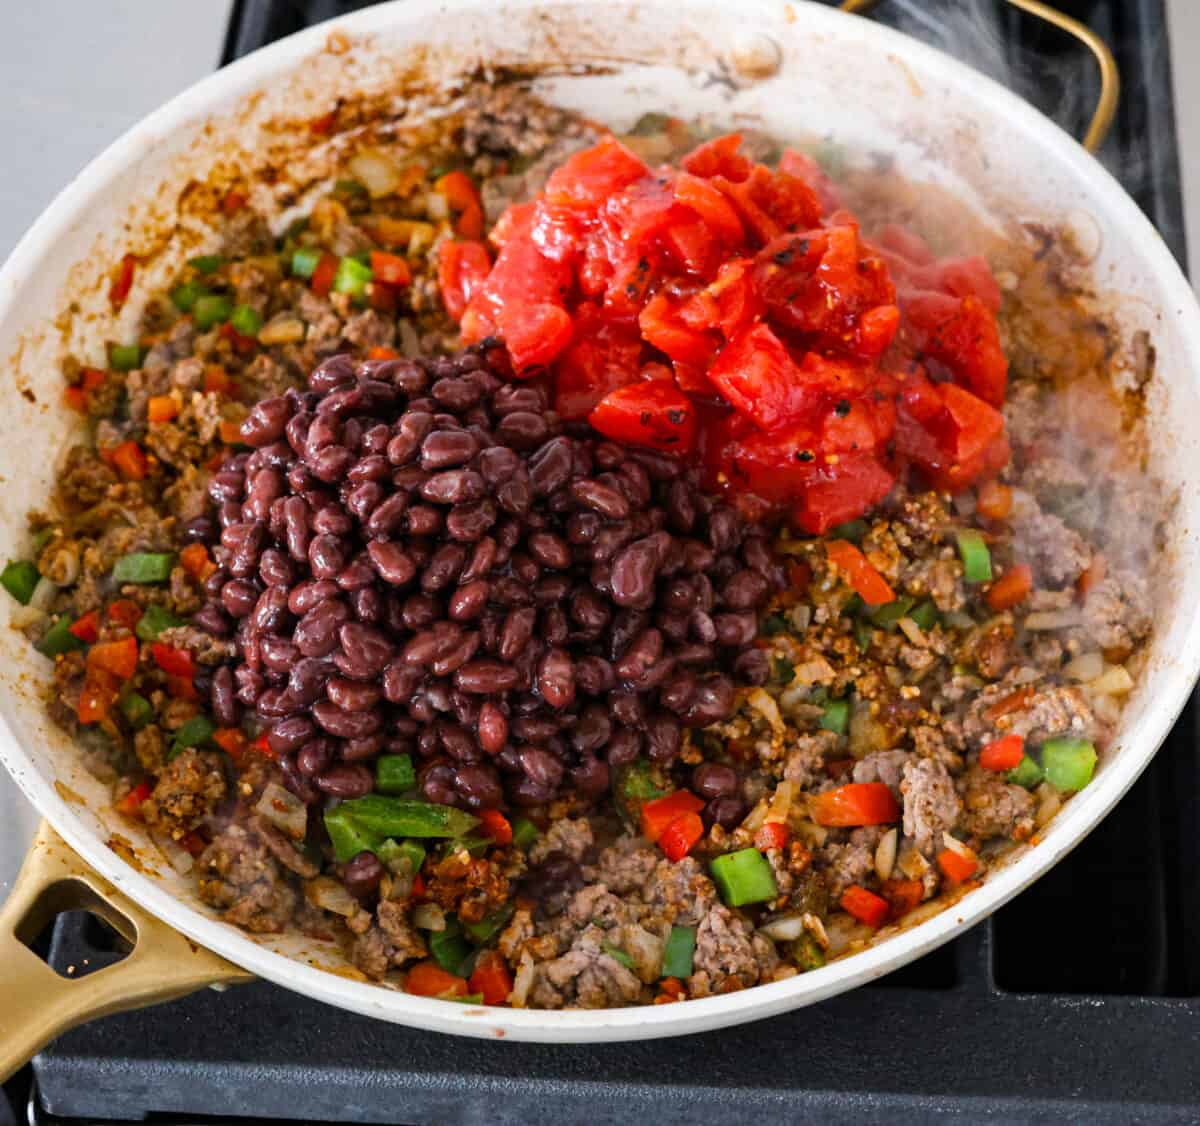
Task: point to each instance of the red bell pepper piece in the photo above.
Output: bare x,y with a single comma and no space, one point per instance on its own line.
677,839
463,267
97,696
131,804
118,658
902,896
122,281
87,628
428,979
1010,588
1004,753
323,275
125,612
496,825
772,834
130,461
865,906
491,978
956,867
856,803
172,661
390,269
866,581
659,813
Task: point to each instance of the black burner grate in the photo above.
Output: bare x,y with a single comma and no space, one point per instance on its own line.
1078,1001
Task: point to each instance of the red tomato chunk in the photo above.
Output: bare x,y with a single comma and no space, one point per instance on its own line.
738,312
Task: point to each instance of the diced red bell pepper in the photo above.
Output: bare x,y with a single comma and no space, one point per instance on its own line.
125,612
656,415
1011,588
217,379
428,979
1004,753
902,896
496,825
679,837
161,408
232,741
195,560
122,281
492,978
460,193
463,267
956,867
97,695
993,501
856,803
118,658
87,628
181,688
772,834
130,461
865,906
193,843
131,804
323,274
234,201
390,269
172,661
659,813
866,581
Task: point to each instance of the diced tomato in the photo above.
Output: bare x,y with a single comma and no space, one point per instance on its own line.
659,813
118,658
131,804
867,582
125,612
87,628
390,269
773,834
603,356
322,126
323,275
217,380
656,415
771,203
961,334
841,492
956,867
719,157
463,197
865,906
806,168
534,334
1004,753
1011,588
678,838
496,825
856,803
491,977
901,241
97,695
716,212
383,298
663,327
756,374
587,179
130,461
195,560
161,408
428,979
172,661
122,281
1093,576
462,269
902,896
232,741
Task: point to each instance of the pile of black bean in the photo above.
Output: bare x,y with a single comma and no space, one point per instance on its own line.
418,557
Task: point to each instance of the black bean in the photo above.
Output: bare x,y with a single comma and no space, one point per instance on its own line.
346,780
454,657
712,703
745,590
400,681
664,735
391,562
224,700
307,678
344,724
316,634
363,875
443,568
291,734
365,651
515,633
278,653
468,602
624,747
316,757
594,676
492,728
485,678
753,667
332,373
726,811
479,786
736,630
239,597
601,498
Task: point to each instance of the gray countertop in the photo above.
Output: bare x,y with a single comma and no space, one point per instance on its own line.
78,74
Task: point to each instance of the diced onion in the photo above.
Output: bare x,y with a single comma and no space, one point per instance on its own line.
177,856
1085,667
646,950
912,631
754,820
522,982
811,832
43,595
766,707
283,810
329,895
814,671
1052,619
376,171
1049,803
283,329
800,617
781,802
1115,681
1026,675
784,929
436,206
885,854
23,616
429,917
956,619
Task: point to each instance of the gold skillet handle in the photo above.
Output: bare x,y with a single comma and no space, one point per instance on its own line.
1110,77
36,1004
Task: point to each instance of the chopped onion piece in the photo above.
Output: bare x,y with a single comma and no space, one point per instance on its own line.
1052,619
522,982
1049,803
913,632
23,616
766,707
646,950
801,617
1026,675
43,595
329,895
1115,681
785,928
283,329
1085,667
754,820
376,171
781,802
885,854
956,619
429,917
436,206
177,856
814,671
955,845
283,810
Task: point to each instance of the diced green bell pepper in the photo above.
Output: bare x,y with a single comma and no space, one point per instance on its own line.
186,294
352,277
618,954
124,357
136,709
349,187
211,310
143,567
782,670
304,261
862,634
246,320
774,624
852,530
20,578
1027,773
807,953
1068,763
744,877
976,559
482,932
679,952
394,853
347,836
525,832
206,263
925,615
466,999
400,817
197,730
835,717
394,774
59,638
153,621
890,613
448,947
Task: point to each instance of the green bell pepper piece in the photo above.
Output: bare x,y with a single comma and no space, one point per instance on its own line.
304,261
482,932
396,854
525,832
211,310
890,613
153,621
186,294
617,953
679,952
206,263
400,817
925,615
59,638
124,357
835,717
1068,763
394,774
347,836
197,730
1027,773
976,559
852,530
744,877
20,578
143,567
807,953
352,277
245,320
448,947
136,709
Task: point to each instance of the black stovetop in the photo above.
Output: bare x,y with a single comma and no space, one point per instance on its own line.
1078,1001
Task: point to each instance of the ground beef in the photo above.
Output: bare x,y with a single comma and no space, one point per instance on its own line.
370,329
186,791
1056,553
806,760
679,892
931,806
468,885
729,954
572,836
186,498
993,808
1057,710
284,850
188,374
207,650
389,942
150,746
1117,611
847,862
240,877
585,977
84,480
882,766
625,866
